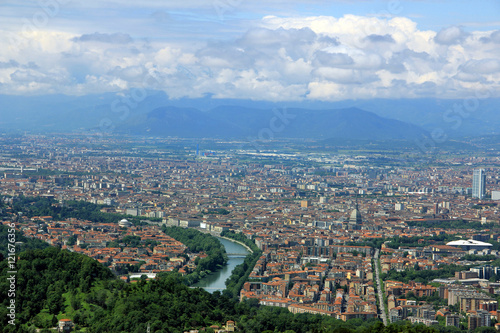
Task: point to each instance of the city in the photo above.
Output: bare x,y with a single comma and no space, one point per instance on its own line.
337,236
260,166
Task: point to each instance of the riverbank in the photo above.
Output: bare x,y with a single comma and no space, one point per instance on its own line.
216,281
235,241
215,234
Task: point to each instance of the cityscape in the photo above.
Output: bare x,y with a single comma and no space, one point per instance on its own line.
335,236
259,166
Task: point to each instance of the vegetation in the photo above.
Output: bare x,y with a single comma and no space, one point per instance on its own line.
22,242
42,277
475,257
197,241
424,276
219,211
434,299
53,284
82,210
70,285
375,243
240,238
451,224
241,272
415,241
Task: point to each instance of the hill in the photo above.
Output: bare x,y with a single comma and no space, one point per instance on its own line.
240,122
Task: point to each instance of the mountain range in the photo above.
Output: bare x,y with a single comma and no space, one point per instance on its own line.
264,124
157,115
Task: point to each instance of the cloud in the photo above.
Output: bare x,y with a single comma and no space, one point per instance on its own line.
494,37
380,38
451,35
276,58
483,66
116,38
322,58
10,64
52,77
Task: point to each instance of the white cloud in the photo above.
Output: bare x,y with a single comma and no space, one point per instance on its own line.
326,90
482,66
279,58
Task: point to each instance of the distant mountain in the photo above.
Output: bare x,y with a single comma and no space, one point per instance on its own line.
179,122
456,118
213,117
62,113
240,122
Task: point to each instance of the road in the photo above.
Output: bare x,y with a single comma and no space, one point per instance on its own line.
379,289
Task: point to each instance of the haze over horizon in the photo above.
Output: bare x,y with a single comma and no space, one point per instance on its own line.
259,50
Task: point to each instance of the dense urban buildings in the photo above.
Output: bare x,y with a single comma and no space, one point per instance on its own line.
330,227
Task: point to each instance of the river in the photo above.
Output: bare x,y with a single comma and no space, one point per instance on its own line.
216,281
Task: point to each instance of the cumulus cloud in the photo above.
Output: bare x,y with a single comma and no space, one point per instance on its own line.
278,58
451,35
494,37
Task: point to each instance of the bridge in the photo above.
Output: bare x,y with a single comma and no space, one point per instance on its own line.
237,254
207,288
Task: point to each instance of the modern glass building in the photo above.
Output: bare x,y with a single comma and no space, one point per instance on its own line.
478,183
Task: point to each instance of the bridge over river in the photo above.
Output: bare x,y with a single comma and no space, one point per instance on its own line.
216,281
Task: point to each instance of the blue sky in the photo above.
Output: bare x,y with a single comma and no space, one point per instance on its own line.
269,50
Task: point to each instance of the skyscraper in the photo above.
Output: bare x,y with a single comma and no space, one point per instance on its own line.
478,183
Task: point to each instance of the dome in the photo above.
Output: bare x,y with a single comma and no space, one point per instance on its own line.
470,243
125,223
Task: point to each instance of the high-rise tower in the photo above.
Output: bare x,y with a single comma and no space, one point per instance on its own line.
478,183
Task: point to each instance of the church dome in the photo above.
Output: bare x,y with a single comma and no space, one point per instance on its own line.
125,223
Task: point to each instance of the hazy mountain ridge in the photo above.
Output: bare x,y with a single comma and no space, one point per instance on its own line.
213,117
240,122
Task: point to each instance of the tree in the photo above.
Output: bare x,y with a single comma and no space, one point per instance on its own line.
72,240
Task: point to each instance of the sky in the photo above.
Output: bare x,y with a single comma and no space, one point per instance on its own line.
273,50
